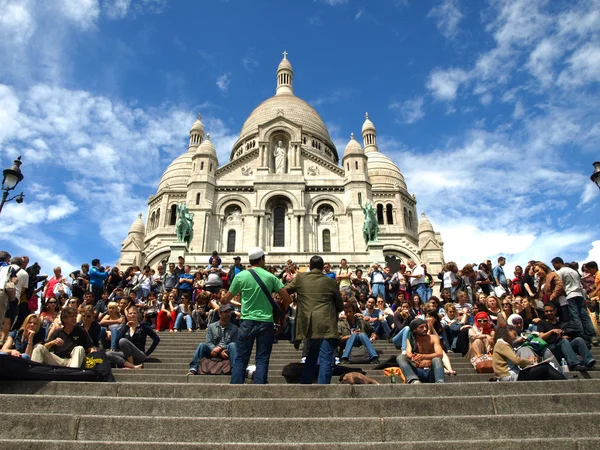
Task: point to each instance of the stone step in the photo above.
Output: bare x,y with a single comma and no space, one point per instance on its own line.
513,444
277,391
293,407
306,430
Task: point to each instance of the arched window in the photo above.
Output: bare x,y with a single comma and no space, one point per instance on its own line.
406,222
210,170
380,214
359,197
326,241
198,198
173,217
157,223
279,227
202,166
411,220
231,241
356,164
389,214
348,166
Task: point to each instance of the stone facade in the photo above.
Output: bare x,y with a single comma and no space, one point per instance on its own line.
286,190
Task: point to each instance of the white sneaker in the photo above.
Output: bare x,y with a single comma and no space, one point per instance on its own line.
303,359
404,352
337,360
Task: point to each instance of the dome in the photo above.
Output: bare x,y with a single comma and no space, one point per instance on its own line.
294,109
285,64
368,125
207,147
383,172
178,173
353,147
424,224
197,126
138,226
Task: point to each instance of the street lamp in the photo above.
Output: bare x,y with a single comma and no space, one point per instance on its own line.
11,177
596,175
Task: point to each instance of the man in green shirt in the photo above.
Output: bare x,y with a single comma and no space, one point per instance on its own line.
257,317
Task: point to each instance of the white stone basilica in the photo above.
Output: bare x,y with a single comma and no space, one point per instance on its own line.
284,189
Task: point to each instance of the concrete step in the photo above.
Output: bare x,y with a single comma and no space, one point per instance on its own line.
513,444
294,407
277,391
305,430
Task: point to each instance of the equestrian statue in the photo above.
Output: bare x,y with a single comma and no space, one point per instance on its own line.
370,227
185,224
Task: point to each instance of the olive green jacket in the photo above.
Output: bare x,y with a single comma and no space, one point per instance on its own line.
318,304
344,328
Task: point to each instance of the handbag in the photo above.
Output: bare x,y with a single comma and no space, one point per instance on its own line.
499,291
482,363
32,304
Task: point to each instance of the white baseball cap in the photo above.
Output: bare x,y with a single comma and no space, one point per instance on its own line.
255,253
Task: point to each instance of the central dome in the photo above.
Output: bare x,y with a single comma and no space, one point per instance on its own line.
294,109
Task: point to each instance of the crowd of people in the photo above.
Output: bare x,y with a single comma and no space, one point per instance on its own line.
530,324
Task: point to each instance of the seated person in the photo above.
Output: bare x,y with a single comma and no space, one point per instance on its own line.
355,332
564,346
401,318
132,339
481,336
20,343
453,323
109,327
69,343
423,359
101,307
184,312
376,319
200,313
221,338
508,365
521,342
89,324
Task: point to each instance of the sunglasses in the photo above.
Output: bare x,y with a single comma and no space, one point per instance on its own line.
52,303
505,304
482,321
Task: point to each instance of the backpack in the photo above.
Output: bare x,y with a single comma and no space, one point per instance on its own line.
517,286
215,366
7,286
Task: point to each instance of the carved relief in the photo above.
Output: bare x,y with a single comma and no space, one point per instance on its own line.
325,215
313,170
234,215
246,171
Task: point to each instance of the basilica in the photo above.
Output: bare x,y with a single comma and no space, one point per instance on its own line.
286,189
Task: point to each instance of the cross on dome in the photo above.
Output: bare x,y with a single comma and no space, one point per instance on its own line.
367,116
199,116
351,135
285,54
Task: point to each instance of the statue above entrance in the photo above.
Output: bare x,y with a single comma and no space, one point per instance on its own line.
280,158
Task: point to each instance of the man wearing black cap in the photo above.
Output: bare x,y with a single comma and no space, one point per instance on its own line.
423,359
235,269
221,338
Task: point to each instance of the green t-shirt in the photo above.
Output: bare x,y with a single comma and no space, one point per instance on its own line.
254,304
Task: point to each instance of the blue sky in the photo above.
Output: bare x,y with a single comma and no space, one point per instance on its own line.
489,108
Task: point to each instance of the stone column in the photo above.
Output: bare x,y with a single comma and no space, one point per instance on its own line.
221,222
293,232
261,230
302,248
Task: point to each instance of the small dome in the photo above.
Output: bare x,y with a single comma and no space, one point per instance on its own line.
285,63
207,147
383,173
138,226
353,147
424,224
368,125
197,126
178,173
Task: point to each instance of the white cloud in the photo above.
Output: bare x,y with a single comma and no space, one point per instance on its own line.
447,16
444,84
83,13
117,9
594,253
410,111
542,60
583,67
250,60
359,14
223,82
519,110
16,22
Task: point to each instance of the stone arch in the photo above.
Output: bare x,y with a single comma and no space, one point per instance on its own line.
401,252
336,203
241,201
295,203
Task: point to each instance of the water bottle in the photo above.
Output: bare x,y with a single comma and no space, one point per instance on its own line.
393,377
564,367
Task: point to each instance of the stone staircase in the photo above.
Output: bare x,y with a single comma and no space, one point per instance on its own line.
160,407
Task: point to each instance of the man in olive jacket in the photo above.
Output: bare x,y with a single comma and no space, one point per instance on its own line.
318,304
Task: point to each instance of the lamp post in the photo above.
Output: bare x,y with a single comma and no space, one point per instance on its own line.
596,175
11,177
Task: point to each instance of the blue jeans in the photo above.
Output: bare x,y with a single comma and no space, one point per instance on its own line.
400,339
378,289
579,319
383,326
422,291
114,333
23,355
263,333
203,351
435,374
356,340
188,321
570,350
321,350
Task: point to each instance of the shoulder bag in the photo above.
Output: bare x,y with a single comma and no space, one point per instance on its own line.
277,313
